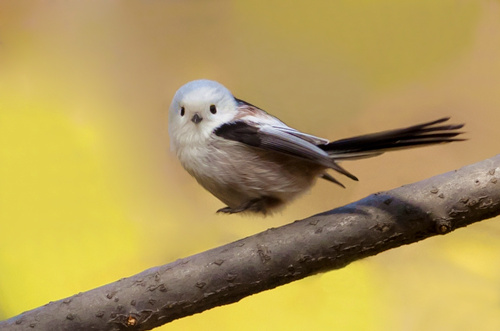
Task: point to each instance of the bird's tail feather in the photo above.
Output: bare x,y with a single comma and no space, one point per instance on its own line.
374,144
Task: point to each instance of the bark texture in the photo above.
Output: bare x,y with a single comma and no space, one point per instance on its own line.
322,242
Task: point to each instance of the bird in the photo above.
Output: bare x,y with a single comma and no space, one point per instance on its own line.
256,164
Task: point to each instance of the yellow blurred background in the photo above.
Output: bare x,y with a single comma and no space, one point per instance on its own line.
90,193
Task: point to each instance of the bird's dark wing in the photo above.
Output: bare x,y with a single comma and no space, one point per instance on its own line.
268,137
250,110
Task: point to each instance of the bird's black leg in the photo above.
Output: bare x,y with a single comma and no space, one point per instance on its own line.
257,205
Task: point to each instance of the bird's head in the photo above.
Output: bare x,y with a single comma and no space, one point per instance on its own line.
197,109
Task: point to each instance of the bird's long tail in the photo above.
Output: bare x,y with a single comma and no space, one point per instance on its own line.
369,145
374,144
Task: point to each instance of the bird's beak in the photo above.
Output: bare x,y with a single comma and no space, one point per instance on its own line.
196,118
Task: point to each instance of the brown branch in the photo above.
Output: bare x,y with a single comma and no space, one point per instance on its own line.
278,256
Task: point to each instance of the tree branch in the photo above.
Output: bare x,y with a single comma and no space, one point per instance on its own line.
278,256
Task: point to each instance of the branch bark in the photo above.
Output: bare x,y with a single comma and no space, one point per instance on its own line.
322,242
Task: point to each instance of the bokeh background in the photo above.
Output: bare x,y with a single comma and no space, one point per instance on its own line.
90,193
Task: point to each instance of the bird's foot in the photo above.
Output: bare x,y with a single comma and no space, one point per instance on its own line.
257,205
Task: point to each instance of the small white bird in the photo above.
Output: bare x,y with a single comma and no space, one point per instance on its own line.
253,162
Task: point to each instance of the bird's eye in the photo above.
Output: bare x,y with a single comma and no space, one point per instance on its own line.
213,109
183,111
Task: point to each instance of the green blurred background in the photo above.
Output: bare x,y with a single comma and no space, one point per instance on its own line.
90,193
